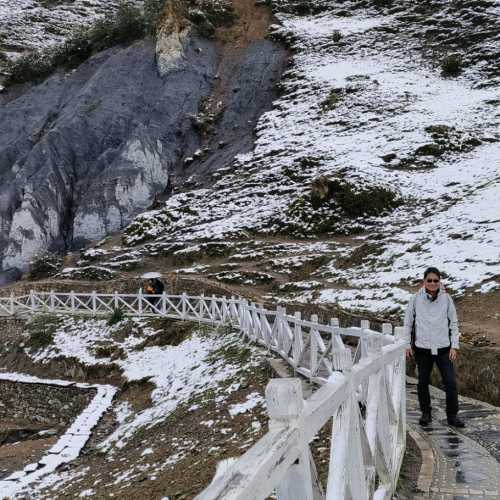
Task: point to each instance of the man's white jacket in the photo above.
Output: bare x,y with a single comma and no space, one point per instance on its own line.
436,322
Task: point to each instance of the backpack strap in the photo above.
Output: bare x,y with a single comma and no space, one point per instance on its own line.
414,325
448,315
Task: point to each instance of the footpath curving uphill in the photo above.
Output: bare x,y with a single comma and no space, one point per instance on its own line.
362,390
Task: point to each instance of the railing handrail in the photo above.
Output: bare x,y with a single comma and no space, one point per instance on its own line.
373,377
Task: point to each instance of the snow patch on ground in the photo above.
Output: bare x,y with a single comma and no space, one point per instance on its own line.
251,402
390,103
178,372
32,24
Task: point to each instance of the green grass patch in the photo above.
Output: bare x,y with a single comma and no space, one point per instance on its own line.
147,226
331,100
169,333
41,330
104,351
115,317
356,202
44,265
109,351
359,255
336,36
430,149
125,25
234,352
451,65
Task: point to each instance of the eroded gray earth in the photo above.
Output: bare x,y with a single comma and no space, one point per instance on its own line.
81,154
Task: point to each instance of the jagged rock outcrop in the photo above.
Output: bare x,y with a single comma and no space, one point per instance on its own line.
172,36
82,153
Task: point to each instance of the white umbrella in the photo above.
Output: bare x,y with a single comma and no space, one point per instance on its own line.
151,275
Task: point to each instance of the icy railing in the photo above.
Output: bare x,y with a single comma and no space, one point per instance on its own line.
362,391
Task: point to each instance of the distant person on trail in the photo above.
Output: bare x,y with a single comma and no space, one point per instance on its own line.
149,287
158,286
431,332
153,286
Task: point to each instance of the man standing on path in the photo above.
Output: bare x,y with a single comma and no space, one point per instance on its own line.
431,331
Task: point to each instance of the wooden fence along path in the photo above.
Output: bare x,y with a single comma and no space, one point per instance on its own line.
362,392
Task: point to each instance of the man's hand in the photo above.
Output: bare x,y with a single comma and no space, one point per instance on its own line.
453,354
409,353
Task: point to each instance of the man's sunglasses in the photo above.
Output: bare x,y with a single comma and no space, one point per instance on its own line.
432,281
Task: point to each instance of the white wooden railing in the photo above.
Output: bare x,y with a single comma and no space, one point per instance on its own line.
362,393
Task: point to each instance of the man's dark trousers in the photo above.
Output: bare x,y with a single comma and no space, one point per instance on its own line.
425,361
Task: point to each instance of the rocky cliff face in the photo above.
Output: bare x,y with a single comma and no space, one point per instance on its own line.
383,146
82,153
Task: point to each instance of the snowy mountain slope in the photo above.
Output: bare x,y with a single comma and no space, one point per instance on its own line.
36,24
366,105
378,147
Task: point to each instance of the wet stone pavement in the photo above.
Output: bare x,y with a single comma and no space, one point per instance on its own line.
466,461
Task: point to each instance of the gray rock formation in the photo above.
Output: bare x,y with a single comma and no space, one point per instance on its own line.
81,154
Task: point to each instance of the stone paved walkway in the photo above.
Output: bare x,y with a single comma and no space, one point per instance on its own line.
466,461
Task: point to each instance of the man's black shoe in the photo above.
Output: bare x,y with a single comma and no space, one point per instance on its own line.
425,419
455,422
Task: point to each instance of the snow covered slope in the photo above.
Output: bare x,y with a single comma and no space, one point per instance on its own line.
409,153
36,24
383,148
186,388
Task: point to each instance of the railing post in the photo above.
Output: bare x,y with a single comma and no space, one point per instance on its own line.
399,333
115,300
230,307
226,309
32,300
387,328
375,401
365,325
264,329
72,300
251,328
213,309
184,305
52,301
12,308
374,344
94,303
164,304
139,301
257,321
347,475
246,326
297,340
279,327
284,406
313,345
336,361
201,307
